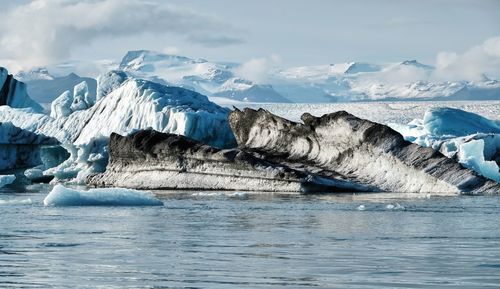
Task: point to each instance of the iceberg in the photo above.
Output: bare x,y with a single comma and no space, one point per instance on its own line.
6,180
149,159
445,121
473,140
366,152
13,93
131,104
61,196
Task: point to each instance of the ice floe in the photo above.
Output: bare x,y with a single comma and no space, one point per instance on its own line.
61,196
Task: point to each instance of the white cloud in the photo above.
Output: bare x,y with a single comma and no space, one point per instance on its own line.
471,65
257,69
43,31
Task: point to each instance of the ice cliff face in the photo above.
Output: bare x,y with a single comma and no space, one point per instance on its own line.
371,153
13,93
152,160
21,148
84,127
471,139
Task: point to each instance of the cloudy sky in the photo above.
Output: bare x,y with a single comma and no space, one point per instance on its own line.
288,32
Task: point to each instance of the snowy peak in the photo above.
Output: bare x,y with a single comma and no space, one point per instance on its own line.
359,67
142,60
38,73
245,90
417,64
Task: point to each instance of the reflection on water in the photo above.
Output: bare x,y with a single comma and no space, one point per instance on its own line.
242,240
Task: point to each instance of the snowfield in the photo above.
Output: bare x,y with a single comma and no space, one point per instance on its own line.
382,112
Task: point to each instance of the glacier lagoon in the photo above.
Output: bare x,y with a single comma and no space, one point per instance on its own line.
218,239
235,239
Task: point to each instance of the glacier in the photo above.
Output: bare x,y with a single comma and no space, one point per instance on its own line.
84,127
473,140
61,196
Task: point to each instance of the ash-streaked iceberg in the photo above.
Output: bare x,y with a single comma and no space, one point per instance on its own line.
471,139
152,160
370,153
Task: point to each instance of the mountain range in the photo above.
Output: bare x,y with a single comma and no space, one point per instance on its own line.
339,82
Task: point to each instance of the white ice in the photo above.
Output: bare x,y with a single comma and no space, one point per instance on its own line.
61,196
470,138
16,202
132,104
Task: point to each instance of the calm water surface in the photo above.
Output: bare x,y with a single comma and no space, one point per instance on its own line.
215,240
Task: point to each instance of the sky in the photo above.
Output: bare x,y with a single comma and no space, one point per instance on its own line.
283,32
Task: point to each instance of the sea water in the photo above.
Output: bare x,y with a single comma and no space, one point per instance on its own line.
250,240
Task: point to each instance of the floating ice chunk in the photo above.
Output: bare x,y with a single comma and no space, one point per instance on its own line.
396,207
81,98
61,106
61,196
34,173
471,154
361,208
455,122
6,180
15,202
473,140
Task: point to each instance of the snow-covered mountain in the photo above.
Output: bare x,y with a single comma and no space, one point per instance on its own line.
200,75
351,81
44,87
245,90
407,80
339,82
